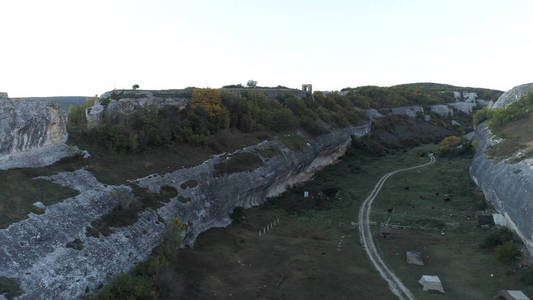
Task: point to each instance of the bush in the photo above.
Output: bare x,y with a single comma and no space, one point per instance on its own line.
126,286
508,252
449,144
497,238
237,216
10,288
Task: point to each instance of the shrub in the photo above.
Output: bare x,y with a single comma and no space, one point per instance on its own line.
189,184
76,244
508,252
497,238
10,288
237,216
126,286
449,144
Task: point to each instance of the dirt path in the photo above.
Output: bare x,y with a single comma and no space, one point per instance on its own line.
395,285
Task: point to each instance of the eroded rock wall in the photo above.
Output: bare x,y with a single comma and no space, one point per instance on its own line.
47,269
507,186
32,133
512,95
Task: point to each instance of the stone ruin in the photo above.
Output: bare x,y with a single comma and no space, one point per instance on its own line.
307,88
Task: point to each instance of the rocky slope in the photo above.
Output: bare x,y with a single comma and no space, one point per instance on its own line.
34,250
512,95
32,133
507,185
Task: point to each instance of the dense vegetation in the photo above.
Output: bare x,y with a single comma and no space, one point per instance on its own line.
410,94
499,117
211,111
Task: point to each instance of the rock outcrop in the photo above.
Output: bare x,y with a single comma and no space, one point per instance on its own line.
512,95
410,111
34,250
32,133
128,101
507,186
442,110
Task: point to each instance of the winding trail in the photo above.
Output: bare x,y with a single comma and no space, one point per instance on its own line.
395,285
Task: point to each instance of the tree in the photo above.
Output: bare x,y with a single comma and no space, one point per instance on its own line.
251,83
210,101
508,253
135,86
449,145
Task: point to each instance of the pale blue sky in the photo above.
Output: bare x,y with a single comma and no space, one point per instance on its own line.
77,47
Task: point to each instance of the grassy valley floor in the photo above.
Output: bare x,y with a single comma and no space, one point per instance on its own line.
430,202
315,252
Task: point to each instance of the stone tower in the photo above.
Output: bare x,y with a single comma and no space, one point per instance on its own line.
307,88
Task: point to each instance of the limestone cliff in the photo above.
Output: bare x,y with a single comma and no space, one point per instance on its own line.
47,269
127,101
508,186
512,95
32,133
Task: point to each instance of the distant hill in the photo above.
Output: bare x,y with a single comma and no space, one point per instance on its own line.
486,94
413,94
63,101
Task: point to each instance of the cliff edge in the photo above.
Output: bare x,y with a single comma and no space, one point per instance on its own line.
32,133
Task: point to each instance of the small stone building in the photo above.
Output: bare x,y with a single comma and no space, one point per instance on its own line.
307,88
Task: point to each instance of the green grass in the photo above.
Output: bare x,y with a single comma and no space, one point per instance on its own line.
269,152
239,162
19,190
438,198
9,288
125,215
76,244
295,142
441,198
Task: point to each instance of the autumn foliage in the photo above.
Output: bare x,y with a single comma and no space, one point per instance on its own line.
211,102
449,144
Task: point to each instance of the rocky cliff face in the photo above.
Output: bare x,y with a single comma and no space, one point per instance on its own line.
32,133
508,186
512,95
127,101
46,268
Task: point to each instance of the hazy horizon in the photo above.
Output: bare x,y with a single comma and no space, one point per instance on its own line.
71,48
